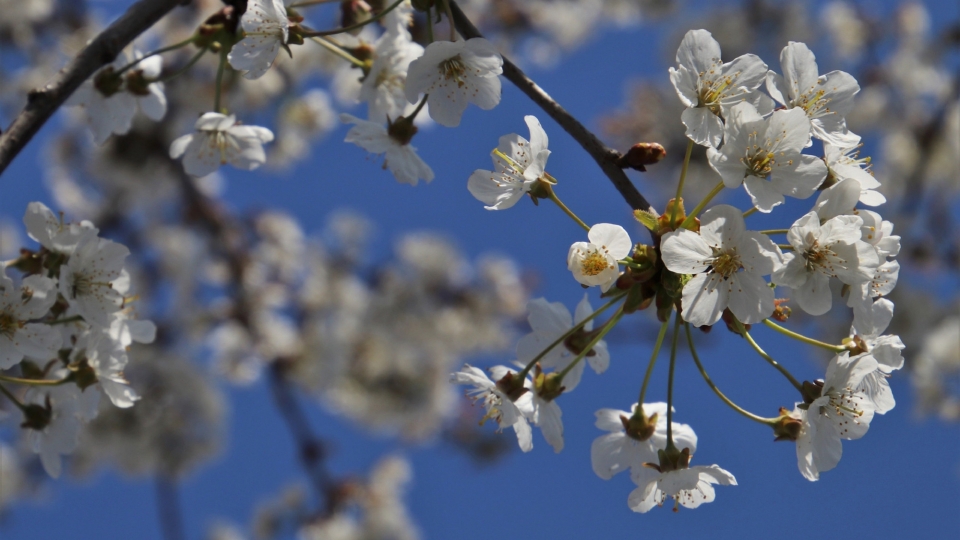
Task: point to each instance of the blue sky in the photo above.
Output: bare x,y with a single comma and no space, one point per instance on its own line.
902,479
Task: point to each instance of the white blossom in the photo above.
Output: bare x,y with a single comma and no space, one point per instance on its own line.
454,73
113,113
219,140
756,148
50,230
499,406
67,408
400,157
833,249
549,321
107,357
841,412
825,99
728,263
596,262
93,280
688,487
265,29
884,349
708,87
618,451
384,87
18,306
844,163
547,416
518,164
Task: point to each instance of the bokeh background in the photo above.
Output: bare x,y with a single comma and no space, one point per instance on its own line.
215,445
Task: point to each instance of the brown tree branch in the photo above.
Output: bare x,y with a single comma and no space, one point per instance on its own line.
43,102
605,157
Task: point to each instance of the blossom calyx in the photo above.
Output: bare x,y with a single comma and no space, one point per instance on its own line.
666,224
402,129
786,428
639,297
639,426
83,373
642,154
36,416
548,386
511,386
108,82
810,391
672,459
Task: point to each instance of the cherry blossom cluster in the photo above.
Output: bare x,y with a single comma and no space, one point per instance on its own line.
66,326
708,267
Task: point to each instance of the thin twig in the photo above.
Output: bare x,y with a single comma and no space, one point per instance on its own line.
43,102
168,508
605,157
310,448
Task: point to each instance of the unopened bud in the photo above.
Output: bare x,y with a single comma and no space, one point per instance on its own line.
666,224
642,154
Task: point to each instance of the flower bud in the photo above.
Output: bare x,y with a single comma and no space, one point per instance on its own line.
642,154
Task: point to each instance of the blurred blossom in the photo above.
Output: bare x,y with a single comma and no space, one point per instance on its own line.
177,425
936,371
847,30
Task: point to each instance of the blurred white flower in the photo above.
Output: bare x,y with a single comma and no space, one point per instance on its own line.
219,140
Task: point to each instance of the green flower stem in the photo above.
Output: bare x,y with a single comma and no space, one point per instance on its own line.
224,51
449,13
796,384
653,361
67,320
696,211
786,247
429,26
161,50
378,16
725,399
593,342
803,338
558,202
683,177
673,364
13,399
187,66
750,212
338,50
35,382
775,231
419,108
576,327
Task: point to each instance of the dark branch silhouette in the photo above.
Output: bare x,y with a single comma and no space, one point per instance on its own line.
605,157
44,101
